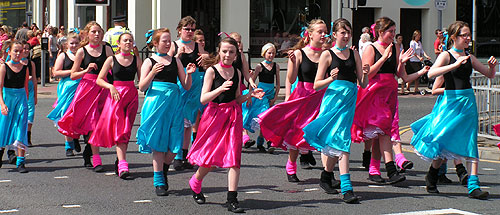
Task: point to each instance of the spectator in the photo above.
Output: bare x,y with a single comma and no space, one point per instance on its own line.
3,37
418,58
33,40
61,37
438,43
364,41
286,44
399,45
22,34
53,49
363,31
33,27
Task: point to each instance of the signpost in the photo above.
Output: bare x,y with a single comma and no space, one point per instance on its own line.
440,6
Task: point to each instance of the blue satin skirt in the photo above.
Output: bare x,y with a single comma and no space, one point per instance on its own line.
251,112
65,93
14,125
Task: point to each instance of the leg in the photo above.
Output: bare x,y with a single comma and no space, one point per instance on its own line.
386,147
461,172
69,146
473,183
327,176
401,161
179,158
367,155
345,180
232,203
96,159
291,165
431,178
374,166
122,165
159,182
30,125
20,162
195,183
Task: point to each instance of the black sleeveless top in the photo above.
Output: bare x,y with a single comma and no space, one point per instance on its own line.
68,63
13,79
390,65
124,73
267,76
307,69
187,58
87,59
347,68
458,79
238,63
228,95
169,72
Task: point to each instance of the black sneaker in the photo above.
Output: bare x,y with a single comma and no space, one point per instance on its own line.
78,148
444,180
304,162
11,154
376,178
407,165
69,153
430,186
199,198
479,194
187,165
161,191
124,175
311,159
234,207
178,165
351,198
292,178
249,144
396,178
22,169
328,188
99,168
261,149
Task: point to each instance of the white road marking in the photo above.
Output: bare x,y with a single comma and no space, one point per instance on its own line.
376,186
311,189
4,181
485,187
143,201
8,211
488,169
254,192
71,206
436,212
109,173
61,177
423,186
452,168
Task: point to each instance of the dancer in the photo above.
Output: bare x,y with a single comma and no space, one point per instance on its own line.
283,123
85,109
118,115
269,81
14,78
160,124
450,130
32,88
188,52
376,116
66,89
219,138
339,68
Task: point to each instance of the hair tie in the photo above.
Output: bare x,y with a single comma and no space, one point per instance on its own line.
7,49
7,58
331,30
75,30
373,30
149,36
304,32
222,32
446,37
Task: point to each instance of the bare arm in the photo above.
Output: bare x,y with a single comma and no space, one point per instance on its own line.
206,94
403,58
58,71
320,81
277,85
104,84
76,72
246,72
486,71
361,70
292,69
148,73
436,87
139,65
185,76
35,81
442,66
4,108
369,58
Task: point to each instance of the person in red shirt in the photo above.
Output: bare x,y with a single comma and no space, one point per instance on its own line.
438,43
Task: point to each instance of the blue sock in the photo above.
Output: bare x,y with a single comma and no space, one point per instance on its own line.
69,145
158,179
20,160
179,155
443,169
473,183
345,183
260,141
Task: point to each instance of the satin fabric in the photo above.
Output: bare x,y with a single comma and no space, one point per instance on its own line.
219,139
85,109
450,130
251,112
31,102
191,98
117,117
330,132
377,109
14,125
282,124
162,127
65,93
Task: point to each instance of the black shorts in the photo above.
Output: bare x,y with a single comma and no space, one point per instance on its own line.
412,67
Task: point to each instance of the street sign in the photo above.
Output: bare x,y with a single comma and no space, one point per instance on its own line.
441,4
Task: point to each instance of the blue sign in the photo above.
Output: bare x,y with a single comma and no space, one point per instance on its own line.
416,2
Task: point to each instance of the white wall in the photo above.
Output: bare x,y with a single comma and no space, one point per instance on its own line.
139,20
235,16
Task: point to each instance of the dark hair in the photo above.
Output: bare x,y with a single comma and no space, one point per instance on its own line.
382,24
25,24
185,21
398,35
341,23
454,30
198,33
437,31
120,38
212,60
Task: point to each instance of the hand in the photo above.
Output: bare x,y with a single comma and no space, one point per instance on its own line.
492,62
404,57
92,66
462,60
257,93
424,70
291,56
334,73
181,50
225,86
190,68
253,85
114,93
427,57
5,110
366,69
388,52
157,68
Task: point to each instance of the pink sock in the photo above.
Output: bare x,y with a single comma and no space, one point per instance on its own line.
195,184
400,159
122,166
246,138
96,160
374,167
291,167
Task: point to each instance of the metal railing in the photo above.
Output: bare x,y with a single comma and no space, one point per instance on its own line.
487,92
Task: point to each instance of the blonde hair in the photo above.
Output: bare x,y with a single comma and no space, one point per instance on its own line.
266,47
86,30
310,28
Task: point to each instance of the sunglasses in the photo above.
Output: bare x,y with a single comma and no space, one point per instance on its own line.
189,29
